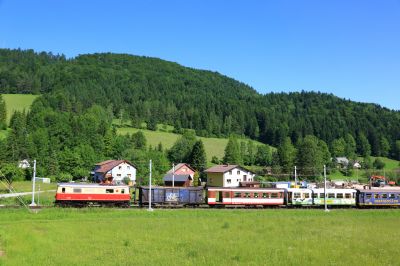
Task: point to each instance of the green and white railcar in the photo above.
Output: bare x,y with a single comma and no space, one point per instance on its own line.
334,196
299,197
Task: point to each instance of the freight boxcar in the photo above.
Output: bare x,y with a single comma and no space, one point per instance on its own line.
334,197
245,196
80,195
184,196
378,198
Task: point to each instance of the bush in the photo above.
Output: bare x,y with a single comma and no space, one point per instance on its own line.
378,164
64,177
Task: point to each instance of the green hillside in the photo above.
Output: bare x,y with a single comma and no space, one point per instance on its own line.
213,146
18,102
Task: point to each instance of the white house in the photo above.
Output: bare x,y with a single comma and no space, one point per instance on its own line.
24,164
228,176
114,171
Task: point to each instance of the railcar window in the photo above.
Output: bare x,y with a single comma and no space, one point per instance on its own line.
384,196
376,196
331,195
297,195
247,195
77,190
227,195
63,190
265,195
339,195
238,194
321,195
315,195
306,195
368,195
392,196
109,190
274,195
347,195
256,195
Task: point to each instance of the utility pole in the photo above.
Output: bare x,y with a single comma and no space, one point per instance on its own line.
33,184
295,176
150,208
173,175
326,207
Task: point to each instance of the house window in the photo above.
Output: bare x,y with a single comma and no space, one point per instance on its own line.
230,172
238,172
128,167
118,174
244,177
119,167
129,175
228,181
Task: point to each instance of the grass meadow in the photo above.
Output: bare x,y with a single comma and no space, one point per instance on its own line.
212,146
199,237
18,102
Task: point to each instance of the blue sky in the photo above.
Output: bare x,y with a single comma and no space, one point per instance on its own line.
348,48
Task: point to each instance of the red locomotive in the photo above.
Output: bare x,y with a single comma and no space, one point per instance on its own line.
81,195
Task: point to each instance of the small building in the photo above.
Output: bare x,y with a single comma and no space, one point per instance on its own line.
228,176
114,171
357,165
185,180
343,161
182,174
24,164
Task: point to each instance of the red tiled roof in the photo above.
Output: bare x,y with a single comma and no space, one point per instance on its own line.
221,168
110,164
224,168
178,166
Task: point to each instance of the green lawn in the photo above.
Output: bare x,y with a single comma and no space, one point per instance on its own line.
213,146
199,237
18,102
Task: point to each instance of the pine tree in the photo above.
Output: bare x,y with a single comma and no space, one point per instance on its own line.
287,155
232,152
197,158
3,113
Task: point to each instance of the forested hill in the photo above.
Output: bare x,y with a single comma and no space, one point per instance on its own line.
151,90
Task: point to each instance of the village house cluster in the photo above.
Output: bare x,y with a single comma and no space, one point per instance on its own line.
182,175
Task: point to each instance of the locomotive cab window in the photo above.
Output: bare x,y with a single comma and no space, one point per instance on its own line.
63,190
77,190
109,190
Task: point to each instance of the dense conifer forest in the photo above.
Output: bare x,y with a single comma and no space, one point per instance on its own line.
72,120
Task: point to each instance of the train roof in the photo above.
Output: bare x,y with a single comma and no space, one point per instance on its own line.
379,190
245,189
343,190
89,185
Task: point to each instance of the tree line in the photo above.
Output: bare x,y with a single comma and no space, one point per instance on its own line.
150,90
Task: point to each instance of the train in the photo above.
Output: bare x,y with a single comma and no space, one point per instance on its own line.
82,195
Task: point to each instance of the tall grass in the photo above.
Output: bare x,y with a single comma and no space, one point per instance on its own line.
200,237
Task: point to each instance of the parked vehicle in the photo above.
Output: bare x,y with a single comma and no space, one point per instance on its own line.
171,196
